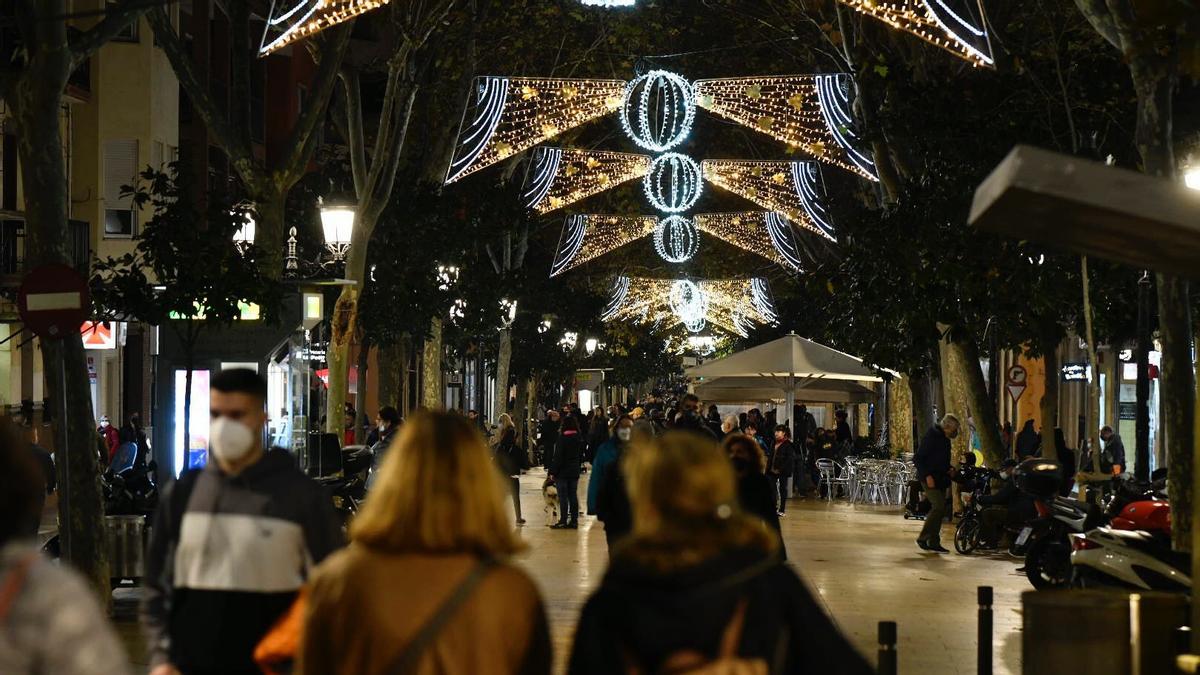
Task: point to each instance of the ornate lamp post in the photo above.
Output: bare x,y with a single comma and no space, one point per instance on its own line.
337,223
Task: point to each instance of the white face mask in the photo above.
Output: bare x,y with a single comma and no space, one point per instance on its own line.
104,423
230,440
624,434
382,426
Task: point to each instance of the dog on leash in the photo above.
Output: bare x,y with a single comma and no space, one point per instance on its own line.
550,498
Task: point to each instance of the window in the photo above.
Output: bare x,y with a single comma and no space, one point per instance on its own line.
120,169
130,32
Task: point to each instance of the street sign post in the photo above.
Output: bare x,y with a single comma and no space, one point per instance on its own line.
1017,378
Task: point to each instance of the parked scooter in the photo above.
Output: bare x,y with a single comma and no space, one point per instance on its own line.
1133,553
1048,556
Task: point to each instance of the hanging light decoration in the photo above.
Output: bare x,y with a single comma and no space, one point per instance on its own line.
958,26
674,183
676,239
293,20
689,303
794,189
558,177
763,233
509,115
587,237
729,304
658,110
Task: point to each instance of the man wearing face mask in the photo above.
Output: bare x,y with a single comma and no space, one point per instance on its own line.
233,542
606,497
112,439
933,471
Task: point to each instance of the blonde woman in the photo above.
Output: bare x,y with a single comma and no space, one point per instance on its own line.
698,583
424,587
510,459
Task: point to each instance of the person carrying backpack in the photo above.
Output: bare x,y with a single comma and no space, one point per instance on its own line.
698,586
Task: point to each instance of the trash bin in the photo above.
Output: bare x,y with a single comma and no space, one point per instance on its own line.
1091,632
126,540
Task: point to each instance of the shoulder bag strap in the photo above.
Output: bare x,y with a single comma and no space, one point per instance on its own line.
406,662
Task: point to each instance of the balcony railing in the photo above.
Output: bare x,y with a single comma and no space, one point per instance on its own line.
12,246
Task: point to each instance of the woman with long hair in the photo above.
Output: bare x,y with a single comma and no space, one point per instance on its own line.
754,492
698,583
425,586
510,459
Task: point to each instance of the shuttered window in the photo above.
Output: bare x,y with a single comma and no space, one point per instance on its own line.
120,169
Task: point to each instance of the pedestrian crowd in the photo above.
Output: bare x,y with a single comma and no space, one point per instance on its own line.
249,570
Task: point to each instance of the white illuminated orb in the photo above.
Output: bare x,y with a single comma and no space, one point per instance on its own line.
676,239
689,303
658,110
674,183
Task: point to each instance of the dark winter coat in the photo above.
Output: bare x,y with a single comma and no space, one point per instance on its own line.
643,615
756,497
509,457
1113,454
1028,441
568,456
612,503
781,459
933,458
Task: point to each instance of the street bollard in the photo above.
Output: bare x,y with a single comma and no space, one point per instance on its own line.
985,630
1183,640
887,648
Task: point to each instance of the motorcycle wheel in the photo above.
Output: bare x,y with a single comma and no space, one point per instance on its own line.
1048,562
966,536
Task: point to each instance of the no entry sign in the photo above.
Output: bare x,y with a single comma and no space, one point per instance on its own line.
53,301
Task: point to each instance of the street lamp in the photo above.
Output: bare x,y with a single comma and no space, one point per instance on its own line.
544,326
1191,177
243,237
568,341
337,222
447,276
508,313
590,346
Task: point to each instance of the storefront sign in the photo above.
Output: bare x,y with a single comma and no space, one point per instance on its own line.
1127,410
1076,372
99,334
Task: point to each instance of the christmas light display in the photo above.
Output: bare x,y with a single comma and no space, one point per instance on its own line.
559,177
676,239
673,183
510,115
733,305
587,237
763,233
794,189
293,20
658,110
810,112
958,26
610,3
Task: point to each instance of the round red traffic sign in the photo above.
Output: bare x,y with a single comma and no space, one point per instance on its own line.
53,301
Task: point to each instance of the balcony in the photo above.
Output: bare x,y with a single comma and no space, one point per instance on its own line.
12,247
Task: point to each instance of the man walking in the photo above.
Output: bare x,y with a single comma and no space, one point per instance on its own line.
1112,457
933,470
233,542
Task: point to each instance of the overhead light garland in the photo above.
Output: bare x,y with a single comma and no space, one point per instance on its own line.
676,239
794,189
610,3
293,20
587,237
733,305
510,115
658,110
673,183
560,177
958,26
763,233
809,112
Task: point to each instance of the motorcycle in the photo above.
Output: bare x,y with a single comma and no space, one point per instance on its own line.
1134,552
348,488
1048,556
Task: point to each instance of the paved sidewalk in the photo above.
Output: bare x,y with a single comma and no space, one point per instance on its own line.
861,560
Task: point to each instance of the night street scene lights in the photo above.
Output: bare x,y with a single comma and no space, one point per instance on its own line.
337,223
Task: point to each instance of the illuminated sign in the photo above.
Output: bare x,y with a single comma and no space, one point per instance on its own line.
249,311
99,334
1076,372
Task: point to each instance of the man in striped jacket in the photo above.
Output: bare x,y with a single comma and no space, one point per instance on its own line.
232,542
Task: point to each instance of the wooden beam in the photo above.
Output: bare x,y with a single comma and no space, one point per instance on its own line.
1091,208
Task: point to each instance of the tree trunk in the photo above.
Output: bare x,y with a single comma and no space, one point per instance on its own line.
338,357
390,367
1090,442
270,233
965,356
1049,403
503,359
362,371
34,101
900,415
531,398
431,367
922,404
1178,393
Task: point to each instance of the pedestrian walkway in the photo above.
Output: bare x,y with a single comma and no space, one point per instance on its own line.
861,560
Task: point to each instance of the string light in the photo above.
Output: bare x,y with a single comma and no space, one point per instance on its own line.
746,231
794,189
507,116
791,109
733,305
610,3
587,237
559,178
658,110
676,239
674,183
960,30
300,19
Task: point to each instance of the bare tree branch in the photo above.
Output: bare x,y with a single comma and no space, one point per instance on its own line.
1097,14
215,119
116,19
303,139
354,128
